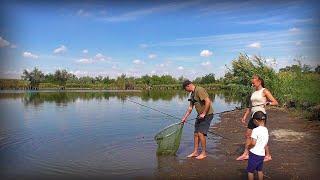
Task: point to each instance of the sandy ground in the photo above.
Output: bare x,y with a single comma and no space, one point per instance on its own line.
294,145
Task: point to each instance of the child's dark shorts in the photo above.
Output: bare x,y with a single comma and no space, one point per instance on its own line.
202,125
255,163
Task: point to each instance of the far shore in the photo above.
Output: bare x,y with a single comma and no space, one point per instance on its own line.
69,90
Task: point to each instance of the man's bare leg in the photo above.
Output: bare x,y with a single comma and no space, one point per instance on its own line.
196,146
203,146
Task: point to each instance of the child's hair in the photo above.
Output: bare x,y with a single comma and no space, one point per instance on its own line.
259,116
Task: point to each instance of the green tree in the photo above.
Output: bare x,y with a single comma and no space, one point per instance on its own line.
99,79
121,81
61,77
293,68
146,79
207,79
317,69
306,68
49,78
181,79
34,77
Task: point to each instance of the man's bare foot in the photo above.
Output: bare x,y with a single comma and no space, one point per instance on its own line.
243,157
267,158
201,156
194,154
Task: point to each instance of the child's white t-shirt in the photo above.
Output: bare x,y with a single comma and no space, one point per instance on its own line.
261,135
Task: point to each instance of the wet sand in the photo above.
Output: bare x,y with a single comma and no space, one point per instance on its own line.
293,142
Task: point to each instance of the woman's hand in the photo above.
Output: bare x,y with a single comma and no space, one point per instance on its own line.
243,120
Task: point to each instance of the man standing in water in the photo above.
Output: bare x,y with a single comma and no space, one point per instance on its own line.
200,100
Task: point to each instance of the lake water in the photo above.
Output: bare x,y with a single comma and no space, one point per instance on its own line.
92,134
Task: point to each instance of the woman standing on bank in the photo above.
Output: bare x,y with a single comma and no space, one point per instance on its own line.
258,100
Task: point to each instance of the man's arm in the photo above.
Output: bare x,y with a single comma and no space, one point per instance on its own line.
207,103
188,112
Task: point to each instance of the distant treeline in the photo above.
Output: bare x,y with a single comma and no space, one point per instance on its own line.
299,83
62,79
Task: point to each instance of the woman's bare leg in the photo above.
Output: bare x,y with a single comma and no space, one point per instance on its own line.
245,154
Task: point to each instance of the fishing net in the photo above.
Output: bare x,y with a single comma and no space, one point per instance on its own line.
168,139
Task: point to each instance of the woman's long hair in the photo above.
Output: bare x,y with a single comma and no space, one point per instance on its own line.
260,79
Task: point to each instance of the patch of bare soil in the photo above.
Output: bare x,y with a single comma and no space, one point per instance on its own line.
294,145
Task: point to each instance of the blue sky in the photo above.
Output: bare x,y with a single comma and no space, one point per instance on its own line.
189,38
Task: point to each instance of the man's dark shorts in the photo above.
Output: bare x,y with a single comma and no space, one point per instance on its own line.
251,124
202,125
255,163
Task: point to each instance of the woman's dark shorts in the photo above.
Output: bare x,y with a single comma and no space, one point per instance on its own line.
202,125
251,124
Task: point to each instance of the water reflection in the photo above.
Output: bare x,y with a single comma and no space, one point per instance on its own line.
88,134
63,98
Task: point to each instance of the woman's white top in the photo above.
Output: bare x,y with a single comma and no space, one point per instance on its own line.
258,98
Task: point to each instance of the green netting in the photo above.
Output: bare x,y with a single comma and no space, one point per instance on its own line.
168,139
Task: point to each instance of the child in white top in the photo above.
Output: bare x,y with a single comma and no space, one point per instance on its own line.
259,139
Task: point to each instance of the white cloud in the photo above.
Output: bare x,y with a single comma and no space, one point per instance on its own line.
133,15
13,46
206,53
97,58
271,61
152,56
85,61
60,50
137,61
255,45
164,65
180,68
207,63
29,55
3,42
100,57
298,43
79,73
239,40
85,51
294,30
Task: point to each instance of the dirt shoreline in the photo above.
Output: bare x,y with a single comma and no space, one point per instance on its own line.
294,146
